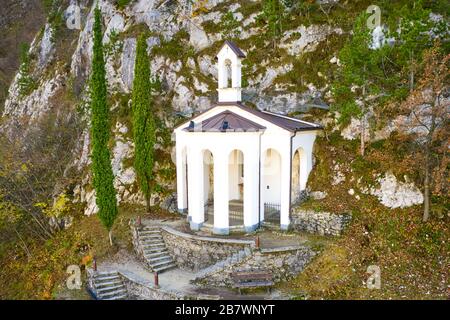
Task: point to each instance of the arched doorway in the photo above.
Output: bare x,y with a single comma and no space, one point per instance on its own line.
236,188
271,186
208,186
298,184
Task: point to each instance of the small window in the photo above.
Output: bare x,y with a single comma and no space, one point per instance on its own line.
228,73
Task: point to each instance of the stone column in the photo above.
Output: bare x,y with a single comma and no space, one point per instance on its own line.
195,187
221,221
251,187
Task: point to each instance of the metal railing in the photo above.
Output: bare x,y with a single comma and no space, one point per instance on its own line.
272,212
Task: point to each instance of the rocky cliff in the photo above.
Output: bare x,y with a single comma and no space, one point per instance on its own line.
183,37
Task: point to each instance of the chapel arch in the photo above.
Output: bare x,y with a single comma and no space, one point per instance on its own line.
228,65
208,183
236,187
271,185
298,178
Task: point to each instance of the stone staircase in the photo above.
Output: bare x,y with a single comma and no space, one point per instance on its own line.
154,249
222,264
109,286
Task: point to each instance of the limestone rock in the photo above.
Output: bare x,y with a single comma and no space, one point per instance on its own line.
128,59
318,195
396,194
197,36
47,48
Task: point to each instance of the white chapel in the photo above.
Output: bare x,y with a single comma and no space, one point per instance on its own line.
237,167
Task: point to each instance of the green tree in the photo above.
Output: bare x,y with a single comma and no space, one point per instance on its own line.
103,178
430,108
359,80
413,37
143,122
273,12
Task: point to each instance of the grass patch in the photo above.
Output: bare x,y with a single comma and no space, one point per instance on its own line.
413,258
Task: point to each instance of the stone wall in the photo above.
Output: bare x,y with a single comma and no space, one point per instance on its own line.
194,252
323,223
282,263
146,291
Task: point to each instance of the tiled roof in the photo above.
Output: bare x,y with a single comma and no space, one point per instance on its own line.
285,122
225,121
234,47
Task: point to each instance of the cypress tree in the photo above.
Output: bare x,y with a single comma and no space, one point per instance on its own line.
103,177
143,122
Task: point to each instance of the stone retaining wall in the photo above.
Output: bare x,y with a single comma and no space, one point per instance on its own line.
145,291
323,223
282,263
194,252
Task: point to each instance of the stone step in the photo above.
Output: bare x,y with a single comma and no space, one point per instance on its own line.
105,289
153,244
161,263
155,250
164,267
154,254
104,273
107,284
106,278
160,259
110,294
150,237
123,296
144,232
151,228
152,241
220,265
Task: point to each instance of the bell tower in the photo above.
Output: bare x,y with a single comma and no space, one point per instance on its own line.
229,65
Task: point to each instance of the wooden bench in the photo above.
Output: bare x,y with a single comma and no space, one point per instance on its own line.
252,279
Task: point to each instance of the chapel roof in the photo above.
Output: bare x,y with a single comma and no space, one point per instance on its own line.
240,123
234,47
225,121
285,122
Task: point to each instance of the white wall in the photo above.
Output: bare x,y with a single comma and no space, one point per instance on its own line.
226,93
271,177
250,143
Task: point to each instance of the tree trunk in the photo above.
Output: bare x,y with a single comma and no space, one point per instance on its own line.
110,237
411,72
147,203
426,194
363,146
